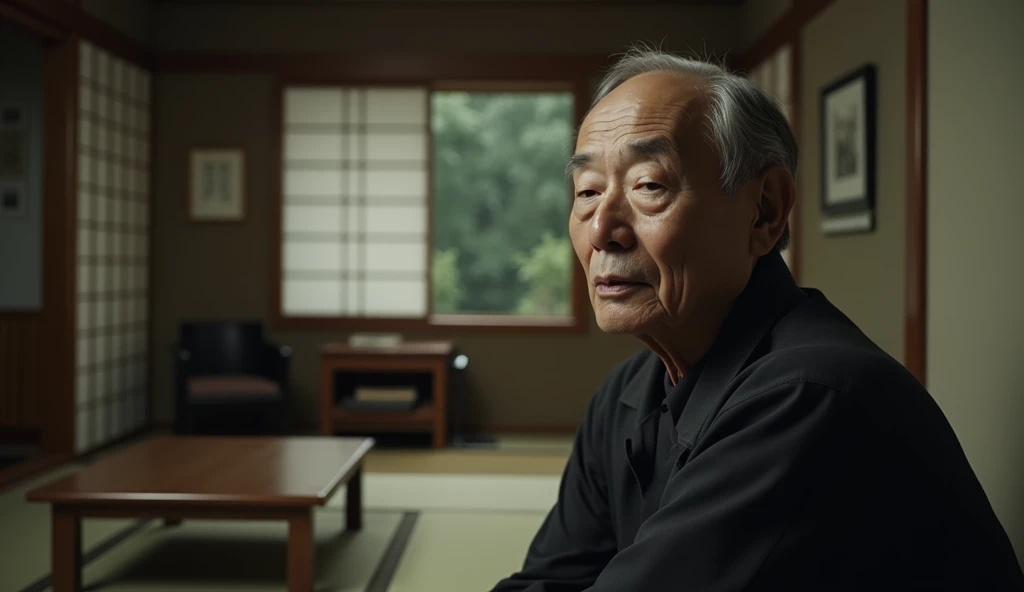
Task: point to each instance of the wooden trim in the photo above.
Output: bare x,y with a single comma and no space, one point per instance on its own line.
915,329
386,68
57,20
34,313
60,266
40,26
429,279
12,476
503,86
785,30
109,38
22,376
334,324
517,324
276,216
151,292
53,19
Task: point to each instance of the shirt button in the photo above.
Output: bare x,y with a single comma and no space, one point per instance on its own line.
664,407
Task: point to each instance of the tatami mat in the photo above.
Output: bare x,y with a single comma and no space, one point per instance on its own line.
465,462
456,552
201,556
25,534
461,493
509,455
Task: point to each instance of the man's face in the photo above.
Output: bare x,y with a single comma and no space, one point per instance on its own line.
660,241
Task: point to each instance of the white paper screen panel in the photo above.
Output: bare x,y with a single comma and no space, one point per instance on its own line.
112,247
355,186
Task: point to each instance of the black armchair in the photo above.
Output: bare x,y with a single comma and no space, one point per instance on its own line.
227,373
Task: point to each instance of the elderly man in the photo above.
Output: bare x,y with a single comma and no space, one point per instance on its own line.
763,442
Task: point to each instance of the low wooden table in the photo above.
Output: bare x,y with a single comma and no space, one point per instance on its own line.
209,478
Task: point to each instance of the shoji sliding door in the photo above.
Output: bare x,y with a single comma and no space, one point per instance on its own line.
113,248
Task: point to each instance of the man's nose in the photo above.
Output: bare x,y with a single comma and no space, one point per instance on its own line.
611,227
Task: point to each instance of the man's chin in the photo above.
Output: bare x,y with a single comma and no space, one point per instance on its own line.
634,317
616,323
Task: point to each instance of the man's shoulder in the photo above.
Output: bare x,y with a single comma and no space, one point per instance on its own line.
817,344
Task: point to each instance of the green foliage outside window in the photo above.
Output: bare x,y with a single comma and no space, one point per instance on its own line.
501,203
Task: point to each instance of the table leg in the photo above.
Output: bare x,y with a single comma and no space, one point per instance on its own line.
354,501
67,550
300,552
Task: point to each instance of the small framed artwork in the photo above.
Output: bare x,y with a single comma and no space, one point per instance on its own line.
848,153
216,185
13,200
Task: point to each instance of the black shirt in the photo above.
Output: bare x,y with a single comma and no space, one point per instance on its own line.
796,456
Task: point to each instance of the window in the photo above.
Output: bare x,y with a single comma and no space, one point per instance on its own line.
406,207
501,243
355,202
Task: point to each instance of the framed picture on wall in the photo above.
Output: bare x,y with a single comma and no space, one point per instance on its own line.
216,185
848,152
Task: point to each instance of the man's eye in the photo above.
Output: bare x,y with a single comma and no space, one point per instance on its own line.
586,193
651,187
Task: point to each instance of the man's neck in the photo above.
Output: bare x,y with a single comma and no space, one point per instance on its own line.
681,345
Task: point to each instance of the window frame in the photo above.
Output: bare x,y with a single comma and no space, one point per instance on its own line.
473,74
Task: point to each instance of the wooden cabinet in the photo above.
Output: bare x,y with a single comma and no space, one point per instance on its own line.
423,363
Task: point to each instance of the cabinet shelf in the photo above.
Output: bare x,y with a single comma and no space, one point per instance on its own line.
420,419
341,362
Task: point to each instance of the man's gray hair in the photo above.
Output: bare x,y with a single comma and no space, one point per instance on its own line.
747,127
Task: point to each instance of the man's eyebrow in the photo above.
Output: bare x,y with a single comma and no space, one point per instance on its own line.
578,161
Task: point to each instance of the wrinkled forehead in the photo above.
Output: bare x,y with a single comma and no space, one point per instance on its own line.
648,105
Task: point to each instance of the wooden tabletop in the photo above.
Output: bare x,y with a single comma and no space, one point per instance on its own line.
189,471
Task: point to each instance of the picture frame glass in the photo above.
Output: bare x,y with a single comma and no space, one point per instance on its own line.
846,149
216,191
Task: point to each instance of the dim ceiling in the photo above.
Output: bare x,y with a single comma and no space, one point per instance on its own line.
451,2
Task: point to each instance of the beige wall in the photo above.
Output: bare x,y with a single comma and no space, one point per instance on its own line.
975,244
760,15
132,17
862,274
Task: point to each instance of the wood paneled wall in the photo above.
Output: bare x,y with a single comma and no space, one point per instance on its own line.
21,368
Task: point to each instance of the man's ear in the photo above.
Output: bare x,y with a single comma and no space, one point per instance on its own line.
776,200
